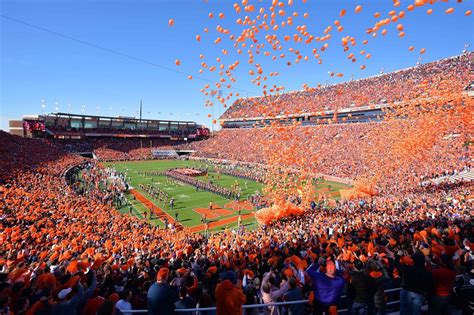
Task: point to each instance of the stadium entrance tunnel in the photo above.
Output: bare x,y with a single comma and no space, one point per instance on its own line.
88,155
185,152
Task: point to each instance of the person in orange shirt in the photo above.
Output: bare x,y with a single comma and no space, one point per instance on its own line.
229,295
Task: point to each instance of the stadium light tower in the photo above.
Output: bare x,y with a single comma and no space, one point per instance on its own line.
141,110
466,47
43,106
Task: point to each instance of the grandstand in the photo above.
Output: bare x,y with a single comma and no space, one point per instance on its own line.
115,226
360,100
72,126
115,138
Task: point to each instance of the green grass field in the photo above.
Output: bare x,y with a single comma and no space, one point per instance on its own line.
186,197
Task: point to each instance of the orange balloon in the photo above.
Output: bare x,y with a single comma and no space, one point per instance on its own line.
198,38
420,3
449,11
177,62
401,34
422,51
221,15
211,15
342,13
358,9
411,48
400,27
190,77
468,12
171,22
429,11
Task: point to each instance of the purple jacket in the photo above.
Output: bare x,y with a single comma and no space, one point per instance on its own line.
326,290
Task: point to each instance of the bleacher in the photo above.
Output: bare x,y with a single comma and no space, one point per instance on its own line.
352,101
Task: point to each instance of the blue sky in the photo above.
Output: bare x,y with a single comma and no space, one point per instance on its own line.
37,65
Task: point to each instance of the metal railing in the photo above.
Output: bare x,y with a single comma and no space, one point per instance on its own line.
258,306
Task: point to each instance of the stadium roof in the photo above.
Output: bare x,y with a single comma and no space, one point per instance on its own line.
117,118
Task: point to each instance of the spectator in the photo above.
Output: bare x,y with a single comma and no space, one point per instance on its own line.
185,301
416,281
465,291
161,296
204,302
124,305
270,293
378,279
359,280
294,294
229,295
443,279
327,288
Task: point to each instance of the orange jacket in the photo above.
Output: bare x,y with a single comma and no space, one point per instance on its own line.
229,299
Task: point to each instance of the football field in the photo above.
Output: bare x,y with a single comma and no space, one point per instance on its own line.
191,204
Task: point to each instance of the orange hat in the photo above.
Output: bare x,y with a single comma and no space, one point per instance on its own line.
288,272
72,267
249,273
162,274
212,269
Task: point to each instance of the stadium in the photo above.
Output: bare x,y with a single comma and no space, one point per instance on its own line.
346,198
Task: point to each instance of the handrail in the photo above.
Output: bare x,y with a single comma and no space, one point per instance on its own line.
252,306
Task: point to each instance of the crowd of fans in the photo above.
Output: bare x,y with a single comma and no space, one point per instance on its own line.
253,172
316,148
64,252
118,149
385,88
105,185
